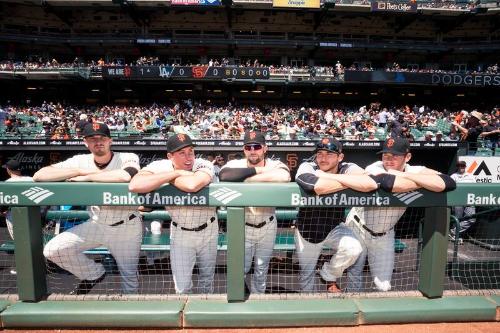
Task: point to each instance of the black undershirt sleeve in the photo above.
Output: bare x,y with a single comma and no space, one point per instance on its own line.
236,174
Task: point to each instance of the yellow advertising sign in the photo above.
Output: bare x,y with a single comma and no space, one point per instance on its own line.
297,3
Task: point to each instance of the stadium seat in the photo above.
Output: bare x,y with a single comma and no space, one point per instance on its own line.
497,151
485,152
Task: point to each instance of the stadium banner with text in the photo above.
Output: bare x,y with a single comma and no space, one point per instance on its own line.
195,2
184,72
259,195
438,156
442,79
297,3
483,169
390,6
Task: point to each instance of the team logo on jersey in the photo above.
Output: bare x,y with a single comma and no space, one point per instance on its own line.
37,194
181,137
225,195
408,197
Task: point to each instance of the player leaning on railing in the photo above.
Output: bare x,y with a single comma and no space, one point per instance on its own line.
374,226
117,228
194,230
319,227
260,222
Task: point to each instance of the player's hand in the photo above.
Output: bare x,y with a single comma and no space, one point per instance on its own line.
85,178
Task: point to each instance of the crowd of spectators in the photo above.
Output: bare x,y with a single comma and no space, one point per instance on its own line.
208,121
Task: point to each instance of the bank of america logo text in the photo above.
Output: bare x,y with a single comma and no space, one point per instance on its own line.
408,197
37,194
225,195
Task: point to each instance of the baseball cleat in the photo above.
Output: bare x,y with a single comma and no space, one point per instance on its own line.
85,286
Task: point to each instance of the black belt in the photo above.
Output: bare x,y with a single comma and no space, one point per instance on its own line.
260,225
371,232
198,228
130,217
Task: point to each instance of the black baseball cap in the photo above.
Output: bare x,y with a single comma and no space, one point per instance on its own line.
254,137
395,146
92,129
330,144
13,165
179,141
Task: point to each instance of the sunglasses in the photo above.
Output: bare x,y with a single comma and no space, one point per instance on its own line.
331,146
253,146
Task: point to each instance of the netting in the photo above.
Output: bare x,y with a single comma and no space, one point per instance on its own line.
160,256
375,250
8,269
474,249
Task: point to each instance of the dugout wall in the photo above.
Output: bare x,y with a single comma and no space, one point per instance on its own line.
433,300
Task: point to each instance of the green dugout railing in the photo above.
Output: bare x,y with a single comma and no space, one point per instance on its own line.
24,198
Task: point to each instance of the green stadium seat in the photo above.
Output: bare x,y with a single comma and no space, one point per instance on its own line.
485,152
497,151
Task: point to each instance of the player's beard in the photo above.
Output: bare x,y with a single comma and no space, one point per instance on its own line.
255,160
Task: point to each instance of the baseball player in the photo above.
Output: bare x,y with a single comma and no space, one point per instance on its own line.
320,227
13,168
117,228
194,230
374,226
260,222
461,212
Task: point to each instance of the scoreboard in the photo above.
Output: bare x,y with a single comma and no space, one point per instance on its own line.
184,72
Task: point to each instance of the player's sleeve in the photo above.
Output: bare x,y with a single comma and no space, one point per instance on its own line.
70,163
306,177
130,161
204,166
355,169
159,166
279,165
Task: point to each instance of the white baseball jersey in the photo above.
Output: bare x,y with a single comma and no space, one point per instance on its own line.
104,214
463,178
256,215
186,216
378,219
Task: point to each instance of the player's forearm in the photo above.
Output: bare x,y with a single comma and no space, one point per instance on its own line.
430,182
193,183
404,185
276,175
143,183
51,174
361,183
327,186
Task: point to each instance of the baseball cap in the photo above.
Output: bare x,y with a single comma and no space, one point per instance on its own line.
13,165
254,137
395,146
92,129
179,141
329,144
461,164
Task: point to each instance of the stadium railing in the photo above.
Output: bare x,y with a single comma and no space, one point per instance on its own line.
431,265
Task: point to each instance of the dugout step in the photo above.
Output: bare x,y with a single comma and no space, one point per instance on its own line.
414,310
272,313
94,314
